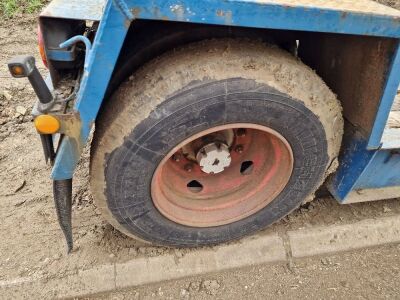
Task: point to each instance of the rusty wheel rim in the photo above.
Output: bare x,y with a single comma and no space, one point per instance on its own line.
261,163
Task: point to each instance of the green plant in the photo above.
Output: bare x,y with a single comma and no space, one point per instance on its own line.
8,8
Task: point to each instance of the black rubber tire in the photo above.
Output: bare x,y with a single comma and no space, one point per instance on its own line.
150,115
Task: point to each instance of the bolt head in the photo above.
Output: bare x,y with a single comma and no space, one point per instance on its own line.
241,132
239,149
176,157
188,167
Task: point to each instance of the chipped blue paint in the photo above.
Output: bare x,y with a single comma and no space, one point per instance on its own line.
268,15
59,55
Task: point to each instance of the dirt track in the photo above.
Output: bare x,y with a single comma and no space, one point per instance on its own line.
367,274
32,244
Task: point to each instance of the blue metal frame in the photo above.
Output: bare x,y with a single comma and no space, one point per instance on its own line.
100,64
362,169
266,15
116,21
389,93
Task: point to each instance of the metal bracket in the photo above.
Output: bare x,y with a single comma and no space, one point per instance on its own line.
77,39
70,125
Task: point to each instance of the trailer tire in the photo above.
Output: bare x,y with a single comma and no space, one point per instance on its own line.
197,87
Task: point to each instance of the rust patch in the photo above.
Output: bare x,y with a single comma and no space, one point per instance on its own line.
227,15
220,13
136,12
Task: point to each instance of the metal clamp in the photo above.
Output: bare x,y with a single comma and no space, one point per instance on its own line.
77,39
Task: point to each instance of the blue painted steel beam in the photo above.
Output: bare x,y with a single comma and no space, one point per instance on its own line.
260,14
101,61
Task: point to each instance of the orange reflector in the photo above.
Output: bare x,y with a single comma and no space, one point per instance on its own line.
17,70
47,124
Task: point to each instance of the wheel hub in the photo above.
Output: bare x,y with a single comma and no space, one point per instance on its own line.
222,175
214,158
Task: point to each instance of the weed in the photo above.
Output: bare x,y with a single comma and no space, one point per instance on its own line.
9,8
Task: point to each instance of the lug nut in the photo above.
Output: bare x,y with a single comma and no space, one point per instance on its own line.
241,132
188,167
176,157
239,149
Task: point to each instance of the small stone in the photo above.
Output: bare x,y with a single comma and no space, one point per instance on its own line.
46,261
184,292
194,286
326,261
6,95
21,110
211,286
112,255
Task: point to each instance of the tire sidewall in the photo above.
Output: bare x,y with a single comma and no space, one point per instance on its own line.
200,106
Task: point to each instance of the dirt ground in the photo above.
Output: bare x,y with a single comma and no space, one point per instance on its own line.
366,274
32,245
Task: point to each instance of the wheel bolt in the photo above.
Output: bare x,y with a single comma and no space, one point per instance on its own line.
188,167
241,132
176,157
239,149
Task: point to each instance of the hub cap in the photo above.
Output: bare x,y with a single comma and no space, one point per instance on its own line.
214,158
222,175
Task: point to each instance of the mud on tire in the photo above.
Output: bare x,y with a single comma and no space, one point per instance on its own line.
194,88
